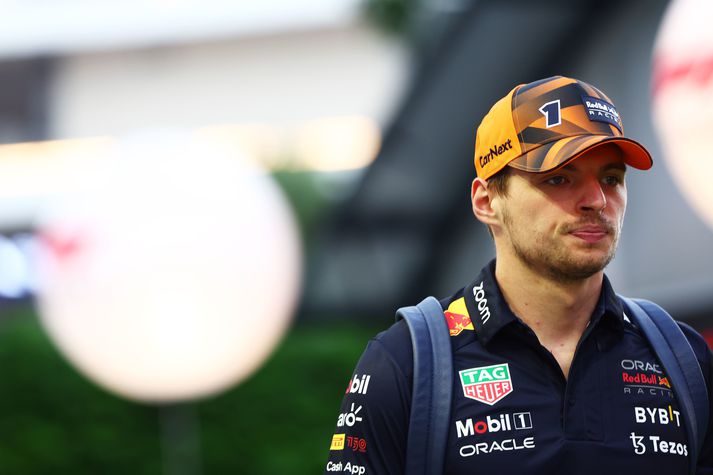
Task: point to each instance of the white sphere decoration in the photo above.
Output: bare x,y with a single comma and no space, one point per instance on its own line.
683,99
176,276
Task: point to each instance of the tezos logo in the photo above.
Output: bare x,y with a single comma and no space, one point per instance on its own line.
358,385
349,418
487,384
657,445
482,303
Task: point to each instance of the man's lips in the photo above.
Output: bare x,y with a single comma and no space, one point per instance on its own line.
590,233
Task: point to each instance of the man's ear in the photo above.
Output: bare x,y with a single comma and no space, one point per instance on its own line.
482,201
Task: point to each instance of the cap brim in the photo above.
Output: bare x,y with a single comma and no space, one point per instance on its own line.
560,152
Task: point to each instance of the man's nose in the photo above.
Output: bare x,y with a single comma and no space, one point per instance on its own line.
592,196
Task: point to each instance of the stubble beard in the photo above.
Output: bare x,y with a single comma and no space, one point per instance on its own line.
550,258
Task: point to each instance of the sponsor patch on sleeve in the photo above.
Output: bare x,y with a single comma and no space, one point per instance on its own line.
337,442
457,317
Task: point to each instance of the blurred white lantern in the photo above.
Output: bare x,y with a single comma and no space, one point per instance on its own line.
176,275
683,99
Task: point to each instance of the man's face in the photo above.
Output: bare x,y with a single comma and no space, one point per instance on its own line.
565,224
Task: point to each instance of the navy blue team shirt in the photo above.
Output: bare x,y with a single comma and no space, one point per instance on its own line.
513,410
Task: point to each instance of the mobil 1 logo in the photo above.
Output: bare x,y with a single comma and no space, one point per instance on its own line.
358,384
496,423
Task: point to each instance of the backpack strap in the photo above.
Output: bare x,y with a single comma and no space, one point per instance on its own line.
679,361
432,387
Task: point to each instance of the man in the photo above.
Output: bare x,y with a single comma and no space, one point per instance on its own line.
550,375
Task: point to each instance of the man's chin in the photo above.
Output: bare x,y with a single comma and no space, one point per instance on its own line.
582,267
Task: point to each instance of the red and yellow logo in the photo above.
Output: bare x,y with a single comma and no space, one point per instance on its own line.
337,442
457,317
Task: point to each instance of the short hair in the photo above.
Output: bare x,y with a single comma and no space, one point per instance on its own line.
499,182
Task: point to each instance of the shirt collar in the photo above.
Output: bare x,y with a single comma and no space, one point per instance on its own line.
490,312
610,304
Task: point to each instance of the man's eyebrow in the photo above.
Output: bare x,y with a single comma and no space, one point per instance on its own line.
614,166
608,166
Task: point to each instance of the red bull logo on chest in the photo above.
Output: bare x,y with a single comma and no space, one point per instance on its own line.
457,323
457,317
487,384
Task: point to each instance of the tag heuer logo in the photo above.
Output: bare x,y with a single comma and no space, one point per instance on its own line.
487,384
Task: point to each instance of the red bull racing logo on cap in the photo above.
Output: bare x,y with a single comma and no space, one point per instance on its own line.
602,111
487,384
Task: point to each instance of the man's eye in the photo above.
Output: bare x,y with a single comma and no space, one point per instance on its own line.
612,180
556,180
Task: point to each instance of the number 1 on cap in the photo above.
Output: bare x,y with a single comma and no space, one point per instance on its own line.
551,111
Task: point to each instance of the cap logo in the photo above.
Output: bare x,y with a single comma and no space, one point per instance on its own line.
551,111
494,151
602,111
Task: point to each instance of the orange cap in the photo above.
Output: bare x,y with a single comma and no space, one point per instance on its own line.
543,125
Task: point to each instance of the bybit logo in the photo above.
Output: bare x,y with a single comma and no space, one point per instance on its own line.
657,415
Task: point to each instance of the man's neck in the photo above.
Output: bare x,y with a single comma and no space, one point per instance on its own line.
558,312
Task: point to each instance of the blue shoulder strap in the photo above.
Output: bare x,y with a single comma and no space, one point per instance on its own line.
432,387
679,361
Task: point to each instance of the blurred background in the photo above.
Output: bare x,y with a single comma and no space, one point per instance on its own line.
121,124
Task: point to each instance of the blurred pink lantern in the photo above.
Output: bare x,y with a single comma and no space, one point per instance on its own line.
683,99
175,275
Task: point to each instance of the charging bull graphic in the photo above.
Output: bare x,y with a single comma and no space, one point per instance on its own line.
457,317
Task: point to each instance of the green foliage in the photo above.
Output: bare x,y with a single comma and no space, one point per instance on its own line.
56,422
393,16
284,417
309,205
279,421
